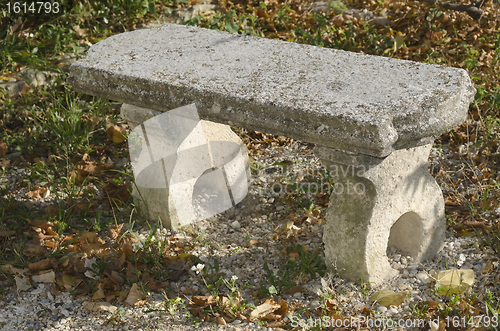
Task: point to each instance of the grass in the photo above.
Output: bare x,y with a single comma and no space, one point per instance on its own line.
60,137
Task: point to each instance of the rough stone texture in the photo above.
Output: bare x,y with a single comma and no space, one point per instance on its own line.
162,202
382,203
348,101
136,115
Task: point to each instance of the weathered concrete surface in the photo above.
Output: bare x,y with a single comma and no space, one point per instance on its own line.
383,202
348,101
136,115
169,191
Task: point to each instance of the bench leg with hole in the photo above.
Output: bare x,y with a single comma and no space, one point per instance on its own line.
379,203
205,170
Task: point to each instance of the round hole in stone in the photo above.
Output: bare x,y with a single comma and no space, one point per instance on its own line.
407,235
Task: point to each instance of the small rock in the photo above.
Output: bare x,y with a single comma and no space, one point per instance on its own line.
413,266
391,311
13,88
379,21
423,277
236,225
382,309
360,306
403,287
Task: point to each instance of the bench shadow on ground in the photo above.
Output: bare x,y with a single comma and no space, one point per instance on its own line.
251,209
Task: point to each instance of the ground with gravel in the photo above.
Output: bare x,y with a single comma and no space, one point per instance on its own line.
257,232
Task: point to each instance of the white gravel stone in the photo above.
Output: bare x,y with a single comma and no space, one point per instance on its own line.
391,311
236,225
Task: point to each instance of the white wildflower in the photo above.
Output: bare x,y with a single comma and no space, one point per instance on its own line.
234,278
198,268
137,246
461,260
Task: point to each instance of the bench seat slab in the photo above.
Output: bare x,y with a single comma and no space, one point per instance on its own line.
344,100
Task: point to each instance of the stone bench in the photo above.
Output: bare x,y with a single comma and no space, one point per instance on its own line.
373,120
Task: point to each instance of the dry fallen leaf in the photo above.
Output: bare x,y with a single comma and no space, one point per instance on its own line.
84,206
6,234
123,296
154,284
203,300
70,281
131,272
127,245
278,314
283,308
116,194
21,27
295,252
99,306
22,283
252,242
47,277
91,244
37,193
188,291
135,295
221,320
4,163
454,281
296,289
116,277
489,267
35,248
88,170
118,261
42,224
263,309
3,148
386,297
12,270
54,290
40,265
115,230
80,32
99,294
116,133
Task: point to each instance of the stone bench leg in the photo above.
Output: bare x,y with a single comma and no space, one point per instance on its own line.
380,203
207,173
